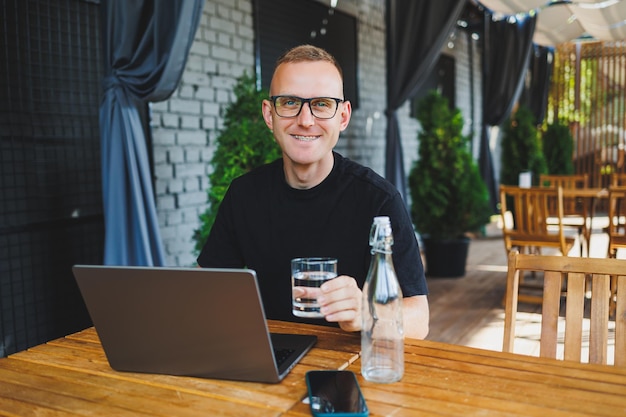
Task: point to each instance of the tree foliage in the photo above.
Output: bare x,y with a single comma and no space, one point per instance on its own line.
244,143
521,148
558,149
449,197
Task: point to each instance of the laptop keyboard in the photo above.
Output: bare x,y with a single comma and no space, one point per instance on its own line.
281,354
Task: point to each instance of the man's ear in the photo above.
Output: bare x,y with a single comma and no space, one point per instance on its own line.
266,109
346,113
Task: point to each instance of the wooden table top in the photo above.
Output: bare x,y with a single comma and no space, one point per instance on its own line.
71,375
589,192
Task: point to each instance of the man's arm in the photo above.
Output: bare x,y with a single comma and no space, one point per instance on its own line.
416,316
341,302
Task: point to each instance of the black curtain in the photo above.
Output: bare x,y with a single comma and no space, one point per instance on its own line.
537,85
507,45
416,32
145,44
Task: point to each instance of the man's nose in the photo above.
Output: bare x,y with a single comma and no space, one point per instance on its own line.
306,117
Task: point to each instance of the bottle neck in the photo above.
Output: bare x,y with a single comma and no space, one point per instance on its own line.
382,244
381,249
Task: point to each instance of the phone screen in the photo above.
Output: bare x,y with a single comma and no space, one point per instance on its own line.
335,393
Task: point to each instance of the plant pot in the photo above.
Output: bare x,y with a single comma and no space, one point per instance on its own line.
445,258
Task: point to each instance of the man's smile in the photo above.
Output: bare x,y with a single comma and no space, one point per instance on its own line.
306,138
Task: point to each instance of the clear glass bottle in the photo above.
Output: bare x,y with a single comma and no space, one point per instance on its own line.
382,333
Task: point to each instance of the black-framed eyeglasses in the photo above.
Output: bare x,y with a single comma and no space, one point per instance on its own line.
291,106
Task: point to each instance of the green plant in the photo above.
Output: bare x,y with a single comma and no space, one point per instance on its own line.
244,143
449,197
521,148
558,149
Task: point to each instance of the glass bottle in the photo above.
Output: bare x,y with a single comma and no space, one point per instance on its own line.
382,332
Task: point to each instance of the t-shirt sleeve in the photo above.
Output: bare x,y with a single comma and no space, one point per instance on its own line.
222,249
406,253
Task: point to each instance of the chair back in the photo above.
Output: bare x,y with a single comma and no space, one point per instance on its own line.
617,219
532,209
571,206
565,181
557,270
618,179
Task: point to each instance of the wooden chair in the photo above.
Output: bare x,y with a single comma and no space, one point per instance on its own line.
617,220
530,228
616,229
618,179
575,211
531,209
555,269
565,181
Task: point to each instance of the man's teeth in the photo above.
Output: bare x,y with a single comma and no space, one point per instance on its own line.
305,138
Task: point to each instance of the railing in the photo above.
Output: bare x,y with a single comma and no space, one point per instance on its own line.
588,91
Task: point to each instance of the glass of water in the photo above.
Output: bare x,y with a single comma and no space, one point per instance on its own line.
310,273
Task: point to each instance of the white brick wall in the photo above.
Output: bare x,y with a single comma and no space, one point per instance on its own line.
463,61
186,125
364,140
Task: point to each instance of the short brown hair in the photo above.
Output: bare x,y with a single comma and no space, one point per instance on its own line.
303,53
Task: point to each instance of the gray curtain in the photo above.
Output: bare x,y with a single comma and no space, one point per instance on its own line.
506,53
416,32
537,85
145,44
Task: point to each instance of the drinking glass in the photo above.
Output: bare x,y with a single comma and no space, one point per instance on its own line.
310,273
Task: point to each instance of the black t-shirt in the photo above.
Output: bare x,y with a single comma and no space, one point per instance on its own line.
263,223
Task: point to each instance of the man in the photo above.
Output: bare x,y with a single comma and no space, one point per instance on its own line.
314,203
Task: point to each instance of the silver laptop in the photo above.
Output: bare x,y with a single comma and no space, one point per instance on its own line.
198,322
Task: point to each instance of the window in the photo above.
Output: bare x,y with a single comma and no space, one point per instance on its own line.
283,24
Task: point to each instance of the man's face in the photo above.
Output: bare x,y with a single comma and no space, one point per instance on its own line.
306,139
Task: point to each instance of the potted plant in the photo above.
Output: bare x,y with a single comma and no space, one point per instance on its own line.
558,149
521,148
244,143
449,197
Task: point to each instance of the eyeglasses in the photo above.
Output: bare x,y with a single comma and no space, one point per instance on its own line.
291,106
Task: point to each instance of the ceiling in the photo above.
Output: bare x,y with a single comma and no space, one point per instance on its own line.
563,21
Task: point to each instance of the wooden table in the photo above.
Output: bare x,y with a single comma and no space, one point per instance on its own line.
591,196
71,376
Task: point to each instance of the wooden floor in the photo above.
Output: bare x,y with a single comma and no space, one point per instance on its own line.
469,310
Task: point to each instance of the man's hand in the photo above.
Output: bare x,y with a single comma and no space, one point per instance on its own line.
340,301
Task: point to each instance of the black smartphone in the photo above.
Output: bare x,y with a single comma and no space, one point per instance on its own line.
336,394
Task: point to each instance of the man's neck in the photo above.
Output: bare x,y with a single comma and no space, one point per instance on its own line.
304,177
